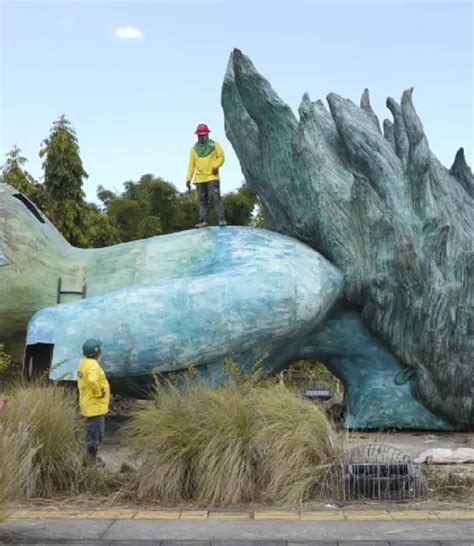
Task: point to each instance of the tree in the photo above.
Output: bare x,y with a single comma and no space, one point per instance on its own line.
63,180
146,208
105,196
239,206
161,197
153,206
100,230
15,175
187,211
127,217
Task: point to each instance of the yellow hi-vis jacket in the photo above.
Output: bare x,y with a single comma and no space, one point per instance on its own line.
201,167
94,389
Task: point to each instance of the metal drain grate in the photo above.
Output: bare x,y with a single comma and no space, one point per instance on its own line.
373,471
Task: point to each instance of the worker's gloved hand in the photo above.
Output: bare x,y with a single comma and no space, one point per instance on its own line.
215,170
188,184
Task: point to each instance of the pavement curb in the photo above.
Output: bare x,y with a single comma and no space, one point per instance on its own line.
322,515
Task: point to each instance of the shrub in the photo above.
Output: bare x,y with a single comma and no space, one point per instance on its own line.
237,443
10,372
15,464
45,418
193,444
295,440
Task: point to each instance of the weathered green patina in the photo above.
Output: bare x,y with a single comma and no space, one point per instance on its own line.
196,297
381,207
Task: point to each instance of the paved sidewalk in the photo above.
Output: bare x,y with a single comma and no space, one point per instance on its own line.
213,532
242,543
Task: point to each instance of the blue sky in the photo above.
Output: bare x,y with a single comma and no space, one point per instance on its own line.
135,102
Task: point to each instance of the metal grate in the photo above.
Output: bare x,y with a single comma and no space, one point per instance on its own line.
317,390
373,471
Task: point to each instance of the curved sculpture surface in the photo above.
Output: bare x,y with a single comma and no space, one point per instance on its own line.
195,297
383,209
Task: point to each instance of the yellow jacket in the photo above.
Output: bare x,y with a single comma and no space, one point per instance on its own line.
201,167
94,389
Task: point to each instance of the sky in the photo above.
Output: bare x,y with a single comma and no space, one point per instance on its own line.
136,77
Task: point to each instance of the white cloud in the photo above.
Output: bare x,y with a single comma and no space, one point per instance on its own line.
128,33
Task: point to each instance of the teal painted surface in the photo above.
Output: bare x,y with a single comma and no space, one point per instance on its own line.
255,291
378,394
195,297
259,294
382,208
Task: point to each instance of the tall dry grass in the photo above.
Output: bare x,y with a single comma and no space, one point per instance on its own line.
193,444
15,464
295,441
43,421
238,443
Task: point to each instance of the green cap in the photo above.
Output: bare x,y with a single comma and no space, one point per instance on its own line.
91,347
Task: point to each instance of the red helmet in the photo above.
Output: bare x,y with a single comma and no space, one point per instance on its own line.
202,129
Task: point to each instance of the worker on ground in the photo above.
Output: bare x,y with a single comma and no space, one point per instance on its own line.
94,396
205,159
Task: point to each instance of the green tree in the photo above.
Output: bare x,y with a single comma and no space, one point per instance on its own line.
63,179
145,208
105,196
15,175
187,211
161,197
100,230
127,217
239,206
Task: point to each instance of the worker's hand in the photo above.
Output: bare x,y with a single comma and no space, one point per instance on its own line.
188,184
215,170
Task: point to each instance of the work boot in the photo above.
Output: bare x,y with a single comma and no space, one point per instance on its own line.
201,225
91,454
99,462
222,223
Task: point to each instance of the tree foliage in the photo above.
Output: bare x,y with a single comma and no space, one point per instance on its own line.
13,172
147,207
63,179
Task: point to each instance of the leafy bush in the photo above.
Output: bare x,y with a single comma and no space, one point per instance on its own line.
10,372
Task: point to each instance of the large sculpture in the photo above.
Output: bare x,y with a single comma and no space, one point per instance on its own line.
383,209
192,298
384,296
195,297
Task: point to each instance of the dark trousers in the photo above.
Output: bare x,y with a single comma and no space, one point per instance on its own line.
210,190
95,427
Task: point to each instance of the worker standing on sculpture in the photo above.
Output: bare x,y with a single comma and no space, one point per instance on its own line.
94,395
205,159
